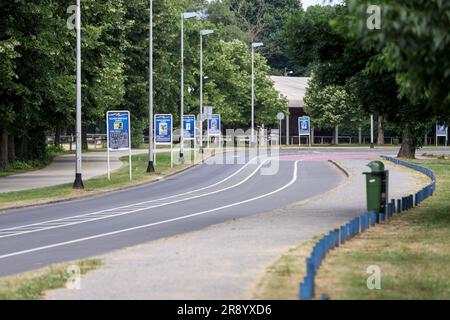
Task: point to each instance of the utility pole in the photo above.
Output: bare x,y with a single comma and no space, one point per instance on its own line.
151,167
254,46
185,15
78,183
202,33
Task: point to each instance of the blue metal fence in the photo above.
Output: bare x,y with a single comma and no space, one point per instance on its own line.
361,224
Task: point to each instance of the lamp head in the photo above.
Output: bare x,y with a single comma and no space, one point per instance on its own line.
257,44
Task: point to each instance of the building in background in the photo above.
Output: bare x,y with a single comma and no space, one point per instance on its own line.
294,89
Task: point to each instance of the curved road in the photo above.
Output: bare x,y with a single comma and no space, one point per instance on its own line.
208,194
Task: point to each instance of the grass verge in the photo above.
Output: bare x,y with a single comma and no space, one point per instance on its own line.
32,285
119,179
32,165
412,251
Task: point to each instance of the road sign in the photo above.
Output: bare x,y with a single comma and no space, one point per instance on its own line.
280,116
214,128
163,129
441,130
189,127
118,135
304,126
208,111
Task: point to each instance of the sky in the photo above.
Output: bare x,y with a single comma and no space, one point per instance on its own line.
307,3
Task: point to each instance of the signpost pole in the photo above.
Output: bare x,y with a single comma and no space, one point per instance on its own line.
279,135
171,143
107,147
129,145
309,137
154,142
371,132
207,133
437,136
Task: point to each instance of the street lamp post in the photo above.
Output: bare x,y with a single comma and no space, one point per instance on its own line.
254,46
202,33
78,183
185,15
151,167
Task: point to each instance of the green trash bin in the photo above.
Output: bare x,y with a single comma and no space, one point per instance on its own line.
377,182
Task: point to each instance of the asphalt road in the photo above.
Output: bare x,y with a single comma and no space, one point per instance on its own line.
205,195
208,194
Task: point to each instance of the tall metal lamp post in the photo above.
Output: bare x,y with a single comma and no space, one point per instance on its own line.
184,16
202,33
254,46
150,167
78,183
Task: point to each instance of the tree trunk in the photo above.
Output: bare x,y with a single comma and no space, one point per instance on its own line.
11,149
360,135
57,141
3,148
380,138
408,148
336,135
84,142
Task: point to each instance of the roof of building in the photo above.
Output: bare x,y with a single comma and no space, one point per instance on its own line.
293,88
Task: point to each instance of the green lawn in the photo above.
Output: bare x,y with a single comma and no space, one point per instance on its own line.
32,285
32,165
119,179
413,252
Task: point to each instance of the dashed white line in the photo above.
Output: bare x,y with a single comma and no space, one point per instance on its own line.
117,212
60,244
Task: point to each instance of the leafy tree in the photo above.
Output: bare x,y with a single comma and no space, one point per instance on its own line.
260,20
414,43
332,106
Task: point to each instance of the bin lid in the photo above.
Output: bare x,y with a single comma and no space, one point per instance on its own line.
376,166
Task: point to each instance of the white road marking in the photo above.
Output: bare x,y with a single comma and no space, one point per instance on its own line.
60,244
120,211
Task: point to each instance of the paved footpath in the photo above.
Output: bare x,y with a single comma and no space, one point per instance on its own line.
226,261
62,171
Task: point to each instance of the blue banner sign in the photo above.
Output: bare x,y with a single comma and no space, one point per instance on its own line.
214,125
118,123
441,130
163,128
189,126
304,126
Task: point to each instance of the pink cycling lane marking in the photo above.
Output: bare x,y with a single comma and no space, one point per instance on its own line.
329,156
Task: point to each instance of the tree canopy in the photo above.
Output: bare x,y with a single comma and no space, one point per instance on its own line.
37,68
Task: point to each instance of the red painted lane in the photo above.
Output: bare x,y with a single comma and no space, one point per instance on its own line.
330,156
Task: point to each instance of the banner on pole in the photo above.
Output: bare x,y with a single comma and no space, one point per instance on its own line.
214,127
441,130
304,126
118,135
163,129
118,127
189,127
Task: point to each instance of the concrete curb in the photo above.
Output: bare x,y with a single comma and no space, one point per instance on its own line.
340,168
